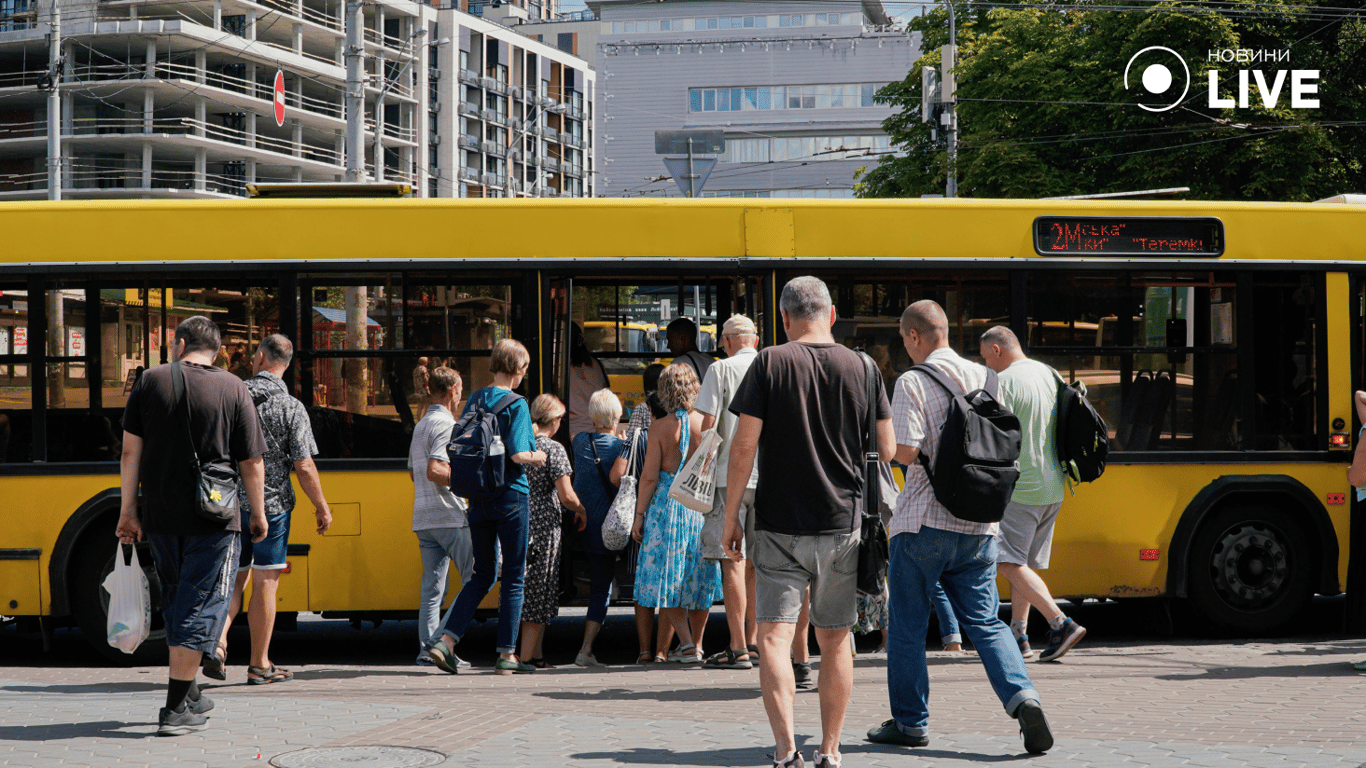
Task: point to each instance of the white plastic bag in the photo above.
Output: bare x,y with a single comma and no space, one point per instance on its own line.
695,486
130,602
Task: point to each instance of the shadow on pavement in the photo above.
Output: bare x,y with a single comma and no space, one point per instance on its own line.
681,694
933,754
1327,669
112,729
352,674
129,687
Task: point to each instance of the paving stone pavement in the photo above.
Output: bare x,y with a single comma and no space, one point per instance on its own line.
1184,703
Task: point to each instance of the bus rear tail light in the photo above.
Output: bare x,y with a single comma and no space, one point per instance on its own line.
1340,440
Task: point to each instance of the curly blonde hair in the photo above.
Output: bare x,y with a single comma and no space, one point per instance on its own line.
678,387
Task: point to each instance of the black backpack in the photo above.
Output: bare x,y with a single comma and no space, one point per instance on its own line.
977,461
478,457
1083,439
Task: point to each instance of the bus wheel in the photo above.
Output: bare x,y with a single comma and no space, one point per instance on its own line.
1251,570
90,601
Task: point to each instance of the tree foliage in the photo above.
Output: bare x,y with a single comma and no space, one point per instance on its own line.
1043,110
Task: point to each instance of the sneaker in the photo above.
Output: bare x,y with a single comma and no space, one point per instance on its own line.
792,762
801,674
200,705
507,667
423,660
585,660
1062,639
178,722
891,733
444,659
1025,650
824,761
1038,739
1360,666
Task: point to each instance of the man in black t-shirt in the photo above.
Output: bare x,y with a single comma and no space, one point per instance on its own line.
803,408
196,558
681,336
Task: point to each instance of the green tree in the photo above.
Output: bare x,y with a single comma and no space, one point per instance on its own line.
1044,112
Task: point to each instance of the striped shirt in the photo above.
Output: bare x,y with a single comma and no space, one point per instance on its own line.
919,407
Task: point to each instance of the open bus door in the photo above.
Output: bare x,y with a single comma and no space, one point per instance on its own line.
1355,618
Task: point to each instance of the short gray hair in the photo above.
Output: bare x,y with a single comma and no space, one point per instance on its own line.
604,409
1002,337
277,348
199,334
806,298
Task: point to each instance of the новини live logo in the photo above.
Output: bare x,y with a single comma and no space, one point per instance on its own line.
1158,79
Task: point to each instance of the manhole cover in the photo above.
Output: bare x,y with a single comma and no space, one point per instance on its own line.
372,757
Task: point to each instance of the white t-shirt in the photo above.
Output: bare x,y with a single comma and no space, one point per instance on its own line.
584,380
434,506
718,389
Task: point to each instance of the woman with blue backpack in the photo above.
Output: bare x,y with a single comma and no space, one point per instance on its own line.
490,444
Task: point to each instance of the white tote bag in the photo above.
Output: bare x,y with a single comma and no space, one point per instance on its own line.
621,516
130,604
695,486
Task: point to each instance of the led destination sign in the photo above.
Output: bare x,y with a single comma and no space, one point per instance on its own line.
1128,236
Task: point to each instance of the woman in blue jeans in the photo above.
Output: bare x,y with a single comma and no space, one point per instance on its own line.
498,522
595,453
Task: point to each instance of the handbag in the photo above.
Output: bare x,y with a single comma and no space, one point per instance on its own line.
216,497
695,486
621,515
873,550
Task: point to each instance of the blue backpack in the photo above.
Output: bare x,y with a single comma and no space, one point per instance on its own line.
477,455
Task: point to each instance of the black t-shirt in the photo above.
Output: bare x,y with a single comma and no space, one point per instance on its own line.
813,400
225,429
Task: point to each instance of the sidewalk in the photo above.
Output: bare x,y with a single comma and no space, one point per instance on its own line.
1261,704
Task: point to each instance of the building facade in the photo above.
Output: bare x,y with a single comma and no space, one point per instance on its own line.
790,83
178,99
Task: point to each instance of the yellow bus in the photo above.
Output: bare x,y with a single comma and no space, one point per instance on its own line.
1220,340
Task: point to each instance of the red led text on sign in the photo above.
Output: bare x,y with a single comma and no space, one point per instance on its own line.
1128,236
1100,237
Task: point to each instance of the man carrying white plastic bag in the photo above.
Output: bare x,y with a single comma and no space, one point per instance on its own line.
130,604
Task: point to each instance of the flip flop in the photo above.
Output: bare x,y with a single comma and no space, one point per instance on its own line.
260,676
215,663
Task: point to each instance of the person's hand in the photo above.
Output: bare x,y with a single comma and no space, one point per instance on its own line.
731,539
259,527
129,529
580,520
1360,399
638,529
324,517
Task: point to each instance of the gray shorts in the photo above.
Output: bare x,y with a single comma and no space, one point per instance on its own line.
1026,536
714,526
786,565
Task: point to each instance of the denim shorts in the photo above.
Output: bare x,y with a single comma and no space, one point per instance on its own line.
268,554
196,585
786,565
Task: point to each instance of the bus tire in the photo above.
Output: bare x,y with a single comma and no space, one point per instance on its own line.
90,602
1251,570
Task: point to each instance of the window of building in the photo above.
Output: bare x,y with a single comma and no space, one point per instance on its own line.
835,96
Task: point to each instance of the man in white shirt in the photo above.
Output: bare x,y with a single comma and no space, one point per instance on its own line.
740,340
930,546
443,533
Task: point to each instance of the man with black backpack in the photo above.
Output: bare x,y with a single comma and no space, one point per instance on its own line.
930,544
1030,389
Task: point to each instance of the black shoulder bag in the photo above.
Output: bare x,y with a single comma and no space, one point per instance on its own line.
873,550
216,498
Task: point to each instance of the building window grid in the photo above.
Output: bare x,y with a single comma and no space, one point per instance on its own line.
760,98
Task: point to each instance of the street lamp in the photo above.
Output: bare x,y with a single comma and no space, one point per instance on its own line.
389,84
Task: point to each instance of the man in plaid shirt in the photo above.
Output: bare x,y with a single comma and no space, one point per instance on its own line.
930,546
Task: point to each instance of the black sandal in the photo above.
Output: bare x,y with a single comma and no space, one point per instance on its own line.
215,663
730,659
539,663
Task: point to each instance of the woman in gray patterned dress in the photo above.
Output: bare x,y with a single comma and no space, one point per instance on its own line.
550,487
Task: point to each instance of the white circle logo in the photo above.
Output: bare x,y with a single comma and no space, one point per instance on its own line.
1157,78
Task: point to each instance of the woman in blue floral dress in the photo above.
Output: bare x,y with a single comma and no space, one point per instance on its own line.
670,573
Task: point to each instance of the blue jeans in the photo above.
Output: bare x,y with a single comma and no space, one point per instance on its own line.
601,569
948,621
966,567
497,522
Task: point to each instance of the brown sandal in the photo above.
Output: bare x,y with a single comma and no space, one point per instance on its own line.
263,676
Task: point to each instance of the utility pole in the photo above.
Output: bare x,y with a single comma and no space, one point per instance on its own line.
691,176
54,105
355,91
949,61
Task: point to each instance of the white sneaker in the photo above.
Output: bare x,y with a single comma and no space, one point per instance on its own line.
586,660
824,761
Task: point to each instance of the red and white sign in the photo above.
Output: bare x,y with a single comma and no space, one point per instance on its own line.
20,340
75,342
279,97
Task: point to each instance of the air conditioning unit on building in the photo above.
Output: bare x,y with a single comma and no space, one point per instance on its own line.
433,75
435,140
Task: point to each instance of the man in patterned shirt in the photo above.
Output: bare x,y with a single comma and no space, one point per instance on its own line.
289,440
930,546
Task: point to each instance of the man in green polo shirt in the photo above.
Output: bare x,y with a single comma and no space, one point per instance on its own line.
1030,389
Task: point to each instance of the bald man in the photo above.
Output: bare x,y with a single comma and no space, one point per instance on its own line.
1030,390
930,546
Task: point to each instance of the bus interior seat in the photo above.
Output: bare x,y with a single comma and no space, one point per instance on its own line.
1138,389
1151,412
1216,429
